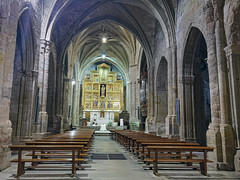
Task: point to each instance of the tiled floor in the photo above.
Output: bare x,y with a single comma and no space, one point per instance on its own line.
128,169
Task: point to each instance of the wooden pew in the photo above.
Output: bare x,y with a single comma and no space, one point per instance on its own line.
170,149
21,162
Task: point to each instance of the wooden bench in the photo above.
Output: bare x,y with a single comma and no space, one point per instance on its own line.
187,149
144,144
34,160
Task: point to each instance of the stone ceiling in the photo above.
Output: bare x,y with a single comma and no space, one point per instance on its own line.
129,25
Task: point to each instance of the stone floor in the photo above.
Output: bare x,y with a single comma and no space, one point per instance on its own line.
128,169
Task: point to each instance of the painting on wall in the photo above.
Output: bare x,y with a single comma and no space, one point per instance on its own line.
95,87
110,87
116,87
110,97
116,105
95,105
88,96
88,105
116,117
95,95
116,97
102,105
109,105
88,86
110,78
96,78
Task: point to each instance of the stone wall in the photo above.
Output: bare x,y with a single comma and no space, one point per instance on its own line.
8,24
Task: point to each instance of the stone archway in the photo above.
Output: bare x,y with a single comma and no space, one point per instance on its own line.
24,77
162,96
196,110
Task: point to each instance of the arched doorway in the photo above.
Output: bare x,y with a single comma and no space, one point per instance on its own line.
162,96
196,92
23,87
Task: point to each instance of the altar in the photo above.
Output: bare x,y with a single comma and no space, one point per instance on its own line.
102,96
99,117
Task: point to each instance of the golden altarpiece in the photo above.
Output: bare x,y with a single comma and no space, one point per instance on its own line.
102,96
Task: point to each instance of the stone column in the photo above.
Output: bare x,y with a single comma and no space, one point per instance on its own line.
75,104
225,125
42,121
8,23
67,103
213,132
170,94
175,127
134,94
219,134
27,106
150,121
233,56
187,109
172,128
128,96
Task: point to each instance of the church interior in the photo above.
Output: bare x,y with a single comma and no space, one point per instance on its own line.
121,69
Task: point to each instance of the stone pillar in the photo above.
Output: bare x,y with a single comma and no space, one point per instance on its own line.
75,104
170,94
150,121
225,126
67,103
27,106
42,121
172,128
220,134
134,94
213,132
175,127
233,56
128,96
187,108
8,23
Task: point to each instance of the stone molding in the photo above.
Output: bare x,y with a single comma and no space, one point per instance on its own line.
231,49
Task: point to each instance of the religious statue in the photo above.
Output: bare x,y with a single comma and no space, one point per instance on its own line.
103,90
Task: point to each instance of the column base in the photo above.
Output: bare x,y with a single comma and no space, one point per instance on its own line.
5,140
221,138
41,135
214,140
174,136
150,125
5,155
228,147
160,129
42,122
171,125
237,160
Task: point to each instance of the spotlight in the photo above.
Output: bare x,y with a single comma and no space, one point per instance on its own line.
103,55
104,40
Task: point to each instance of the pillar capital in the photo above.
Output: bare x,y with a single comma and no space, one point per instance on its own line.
45,46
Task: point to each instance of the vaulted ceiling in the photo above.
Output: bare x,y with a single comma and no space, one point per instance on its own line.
78,25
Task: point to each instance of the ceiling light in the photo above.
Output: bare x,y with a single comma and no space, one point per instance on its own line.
103,55
104,40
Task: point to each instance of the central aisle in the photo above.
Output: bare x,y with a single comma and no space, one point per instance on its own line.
128,169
